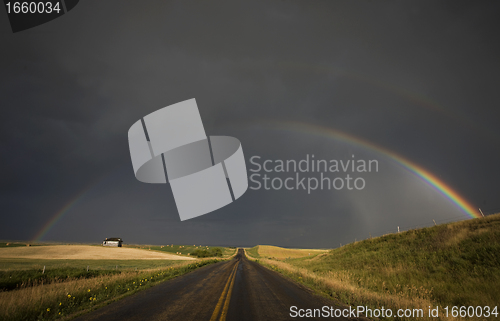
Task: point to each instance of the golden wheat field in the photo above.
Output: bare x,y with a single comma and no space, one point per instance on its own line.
85,252
282,253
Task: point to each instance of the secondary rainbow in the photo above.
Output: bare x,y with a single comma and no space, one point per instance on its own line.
421,172
418,99
59,214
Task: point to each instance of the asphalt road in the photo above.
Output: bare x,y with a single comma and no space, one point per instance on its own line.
238,289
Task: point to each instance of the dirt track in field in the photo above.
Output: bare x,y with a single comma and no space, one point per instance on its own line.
85,252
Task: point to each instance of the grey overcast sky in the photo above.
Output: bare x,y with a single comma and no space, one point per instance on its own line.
418,79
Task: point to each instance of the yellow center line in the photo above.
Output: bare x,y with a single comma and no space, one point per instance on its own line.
228,298
221,299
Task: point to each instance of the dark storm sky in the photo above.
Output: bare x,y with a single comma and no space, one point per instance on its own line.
418,78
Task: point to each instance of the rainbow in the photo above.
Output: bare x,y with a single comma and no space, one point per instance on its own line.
421,172
323,131
59,214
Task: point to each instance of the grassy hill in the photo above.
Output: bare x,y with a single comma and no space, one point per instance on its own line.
456,264
269,251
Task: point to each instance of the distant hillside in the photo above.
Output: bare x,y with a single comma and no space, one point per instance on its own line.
268,251
191,250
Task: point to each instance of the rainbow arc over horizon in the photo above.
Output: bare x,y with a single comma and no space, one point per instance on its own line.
461,202
59,214
446,190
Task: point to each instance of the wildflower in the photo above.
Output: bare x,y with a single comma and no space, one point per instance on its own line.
89,290
48,309
59,312
69,295
60,303
90,299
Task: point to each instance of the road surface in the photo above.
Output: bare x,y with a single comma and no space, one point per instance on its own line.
238,289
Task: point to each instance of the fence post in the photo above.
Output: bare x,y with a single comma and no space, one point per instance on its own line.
398,229
481,212
87,268
43,272
434,222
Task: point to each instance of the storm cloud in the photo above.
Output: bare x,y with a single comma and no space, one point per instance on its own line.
419,79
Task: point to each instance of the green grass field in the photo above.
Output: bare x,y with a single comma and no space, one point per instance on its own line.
15,273
13,279
182,249
456,264
29,264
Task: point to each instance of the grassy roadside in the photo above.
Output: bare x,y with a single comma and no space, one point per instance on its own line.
275,252
253,252
454,264
344,292
65,298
